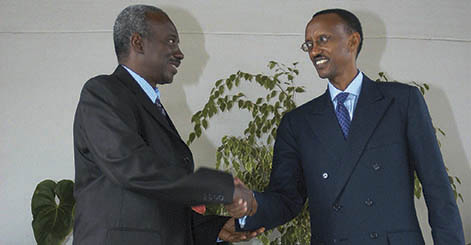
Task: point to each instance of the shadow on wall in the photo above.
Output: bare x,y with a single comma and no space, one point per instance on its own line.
192,43
374,43
454,151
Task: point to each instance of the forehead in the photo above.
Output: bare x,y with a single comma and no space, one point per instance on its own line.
160,23
326,23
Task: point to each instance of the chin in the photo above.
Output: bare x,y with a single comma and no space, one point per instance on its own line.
167,80
322,75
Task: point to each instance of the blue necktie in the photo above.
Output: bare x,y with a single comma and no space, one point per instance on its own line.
342,113
160,107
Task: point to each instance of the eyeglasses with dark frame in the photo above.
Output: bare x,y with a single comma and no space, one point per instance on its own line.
307,46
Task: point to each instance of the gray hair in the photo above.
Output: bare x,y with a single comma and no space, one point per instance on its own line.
131,20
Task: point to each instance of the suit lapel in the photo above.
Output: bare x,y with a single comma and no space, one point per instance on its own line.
143,99
370,109
325,126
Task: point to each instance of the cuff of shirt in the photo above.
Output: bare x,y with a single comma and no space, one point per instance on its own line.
242,221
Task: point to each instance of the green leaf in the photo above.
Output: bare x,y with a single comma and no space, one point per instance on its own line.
282,96
52,222
205,123
191,138
229,105
236,166
237,82
299,90
196,116
218,82
198,130
226,162
240,103
441,131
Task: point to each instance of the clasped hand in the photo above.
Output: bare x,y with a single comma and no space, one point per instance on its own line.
243,202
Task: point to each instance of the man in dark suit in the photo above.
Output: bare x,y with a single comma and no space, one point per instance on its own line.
353,151
134,180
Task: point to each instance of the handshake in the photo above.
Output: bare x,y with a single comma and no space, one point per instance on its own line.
243,201
243,204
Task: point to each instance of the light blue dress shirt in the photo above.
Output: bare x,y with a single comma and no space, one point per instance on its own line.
152,93
353,89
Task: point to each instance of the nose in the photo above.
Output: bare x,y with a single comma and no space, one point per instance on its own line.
178,54
314,51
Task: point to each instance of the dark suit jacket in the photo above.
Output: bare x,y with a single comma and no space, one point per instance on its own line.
361,190
133,173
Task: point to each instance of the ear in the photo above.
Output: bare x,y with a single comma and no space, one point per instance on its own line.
354,42
137,43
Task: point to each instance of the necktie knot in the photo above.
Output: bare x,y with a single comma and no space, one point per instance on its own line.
341,97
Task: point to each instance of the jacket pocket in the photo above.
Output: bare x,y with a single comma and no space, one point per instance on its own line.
126,236
406,238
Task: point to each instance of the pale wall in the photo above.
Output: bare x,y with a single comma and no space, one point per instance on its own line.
49,49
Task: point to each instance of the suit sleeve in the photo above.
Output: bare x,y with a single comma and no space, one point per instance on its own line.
107,127
285,196
206,228
444,216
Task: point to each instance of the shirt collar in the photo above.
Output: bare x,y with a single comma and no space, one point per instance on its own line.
152,93
353,88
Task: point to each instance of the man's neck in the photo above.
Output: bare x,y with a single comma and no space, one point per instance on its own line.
135,68
341,82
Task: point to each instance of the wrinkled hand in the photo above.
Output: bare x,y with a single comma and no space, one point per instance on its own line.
243,202
229,234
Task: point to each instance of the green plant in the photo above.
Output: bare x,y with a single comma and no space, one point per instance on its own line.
52,221
423,87
249,157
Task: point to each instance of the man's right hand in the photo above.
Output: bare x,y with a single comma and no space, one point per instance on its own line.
243,201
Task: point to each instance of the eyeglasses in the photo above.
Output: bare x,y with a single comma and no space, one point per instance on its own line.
307,46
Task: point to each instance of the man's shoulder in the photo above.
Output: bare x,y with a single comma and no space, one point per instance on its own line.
106,86
310,106
109,82
390,86
100,81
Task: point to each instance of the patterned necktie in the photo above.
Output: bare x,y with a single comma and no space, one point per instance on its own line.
160,107
342,113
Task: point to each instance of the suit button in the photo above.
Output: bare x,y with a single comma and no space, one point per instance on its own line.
369,202
337,207
334,240
325,175
373,235
376,166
